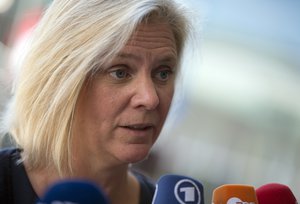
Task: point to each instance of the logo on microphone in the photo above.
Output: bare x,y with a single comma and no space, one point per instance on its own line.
235,200
186,191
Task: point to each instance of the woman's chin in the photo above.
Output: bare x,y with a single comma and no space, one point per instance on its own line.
135,154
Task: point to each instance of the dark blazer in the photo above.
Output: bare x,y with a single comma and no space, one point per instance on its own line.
15,187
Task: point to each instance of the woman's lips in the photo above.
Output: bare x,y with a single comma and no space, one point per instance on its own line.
138,133
139,127
143,130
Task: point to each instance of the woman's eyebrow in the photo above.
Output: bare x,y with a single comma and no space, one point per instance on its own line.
168,58
162,58
125,55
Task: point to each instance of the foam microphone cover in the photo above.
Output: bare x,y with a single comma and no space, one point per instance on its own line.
234,194
74,192
177,189
275,193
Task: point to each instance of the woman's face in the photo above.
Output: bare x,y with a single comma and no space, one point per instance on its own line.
121,111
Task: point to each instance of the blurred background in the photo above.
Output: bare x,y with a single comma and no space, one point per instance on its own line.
236,117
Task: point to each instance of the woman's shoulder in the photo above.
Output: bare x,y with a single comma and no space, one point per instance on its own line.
147,187
8,156
7,153
6,164
15,186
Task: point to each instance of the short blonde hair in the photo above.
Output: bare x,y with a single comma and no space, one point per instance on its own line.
73,39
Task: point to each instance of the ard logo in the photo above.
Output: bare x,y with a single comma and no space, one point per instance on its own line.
187,192
235,200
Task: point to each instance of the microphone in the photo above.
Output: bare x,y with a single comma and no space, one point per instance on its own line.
74,192
275,193
177,189
234,194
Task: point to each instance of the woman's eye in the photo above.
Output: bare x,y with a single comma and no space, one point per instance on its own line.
163,75
119,74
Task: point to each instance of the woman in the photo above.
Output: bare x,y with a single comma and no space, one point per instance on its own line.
92,96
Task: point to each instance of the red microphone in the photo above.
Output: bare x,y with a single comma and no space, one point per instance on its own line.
275,193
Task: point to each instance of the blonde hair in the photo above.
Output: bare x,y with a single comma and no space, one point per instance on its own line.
73,39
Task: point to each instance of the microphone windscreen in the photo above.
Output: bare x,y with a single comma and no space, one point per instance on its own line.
275,193
177,189
234,194
74,191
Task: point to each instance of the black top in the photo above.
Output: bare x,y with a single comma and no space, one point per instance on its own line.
15,187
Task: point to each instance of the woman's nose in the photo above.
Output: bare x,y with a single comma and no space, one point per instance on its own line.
145,95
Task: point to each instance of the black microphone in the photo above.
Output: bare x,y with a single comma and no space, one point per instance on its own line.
73,192
177,189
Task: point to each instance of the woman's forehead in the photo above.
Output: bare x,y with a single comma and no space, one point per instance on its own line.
154,35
